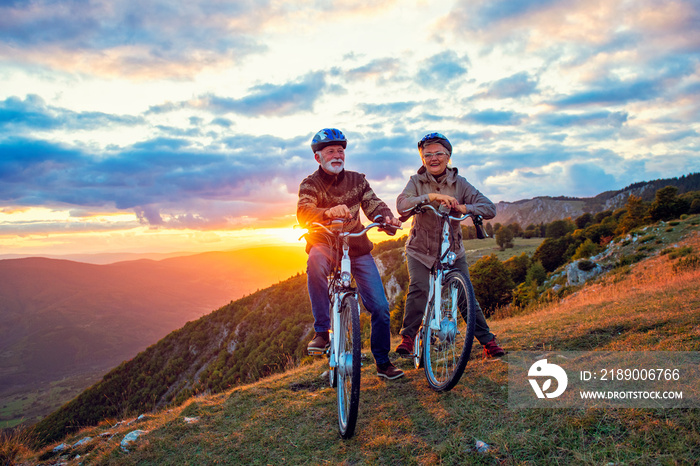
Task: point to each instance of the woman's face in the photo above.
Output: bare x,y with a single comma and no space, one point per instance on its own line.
435,158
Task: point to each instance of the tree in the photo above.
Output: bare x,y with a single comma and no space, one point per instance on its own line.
517,267
636,212
396,315
583,221
586,250
668,205
559,228
468,232
492,283
504,238
516,229
553,252
536,274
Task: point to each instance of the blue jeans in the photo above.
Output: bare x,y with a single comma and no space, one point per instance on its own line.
369,284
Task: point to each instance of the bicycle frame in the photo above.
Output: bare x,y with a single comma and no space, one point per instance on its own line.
345,341
444,264
339,286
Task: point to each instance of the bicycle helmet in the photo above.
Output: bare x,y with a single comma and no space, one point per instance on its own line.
328,137
431,138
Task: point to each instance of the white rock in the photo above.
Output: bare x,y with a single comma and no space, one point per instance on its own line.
482,447
131,437
576,276
82,441
60,447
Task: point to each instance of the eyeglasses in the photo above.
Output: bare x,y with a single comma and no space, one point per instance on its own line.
439,155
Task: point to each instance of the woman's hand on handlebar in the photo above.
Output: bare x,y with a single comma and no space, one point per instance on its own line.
448,201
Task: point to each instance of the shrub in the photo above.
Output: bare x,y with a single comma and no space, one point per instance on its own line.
517,267
586,265
586,250
492,283
675,253
690,262
536,274
553,252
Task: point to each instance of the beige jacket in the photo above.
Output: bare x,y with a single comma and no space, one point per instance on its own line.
424,240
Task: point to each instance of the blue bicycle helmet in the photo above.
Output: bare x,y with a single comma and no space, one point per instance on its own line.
431,138
328,137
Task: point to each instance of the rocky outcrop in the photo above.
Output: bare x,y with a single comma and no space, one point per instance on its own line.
538,210
578,272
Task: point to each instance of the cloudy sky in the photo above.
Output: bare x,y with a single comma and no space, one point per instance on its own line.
163,125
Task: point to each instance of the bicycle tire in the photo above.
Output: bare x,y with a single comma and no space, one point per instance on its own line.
446,352
348,371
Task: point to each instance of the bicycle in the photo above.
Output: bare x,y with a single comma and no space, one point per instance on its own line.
344,353
443,344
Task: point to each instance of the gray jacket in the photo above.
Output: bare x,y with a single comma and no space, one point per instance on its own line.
424,240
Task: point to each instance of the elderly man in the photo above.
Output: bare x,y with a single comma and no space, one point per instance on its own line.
331,193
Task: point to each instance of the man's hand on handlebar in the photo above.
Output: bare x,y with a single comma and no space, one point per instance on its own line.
391,222
339,211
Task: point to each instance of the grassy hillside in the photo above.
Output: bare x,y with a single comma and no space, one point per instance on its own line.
290,418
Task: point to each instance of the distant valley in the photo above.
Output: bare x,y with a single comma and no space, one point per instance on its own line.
61,320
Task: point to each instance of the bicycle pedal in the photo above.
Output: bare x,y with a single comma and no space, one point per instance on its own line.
318,352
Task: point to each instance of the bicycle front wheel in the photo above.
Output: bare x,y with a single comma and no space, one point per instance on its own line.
348,371
447,350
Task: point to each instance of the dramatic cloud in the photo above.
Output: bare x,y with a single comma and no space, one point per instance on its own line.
199,115
443,68
270,99
32,113
149,37
518,85
162,172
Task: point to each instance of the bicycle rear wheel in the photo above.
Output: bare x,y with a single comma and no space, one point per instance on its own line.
348,371
446,351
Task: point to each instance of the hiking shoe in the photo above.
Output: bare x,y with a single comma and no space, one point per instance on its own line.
388,371
405,348
319,344
492,350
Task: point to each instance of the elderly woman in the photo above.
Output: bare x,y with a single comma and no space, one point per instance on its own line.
436,183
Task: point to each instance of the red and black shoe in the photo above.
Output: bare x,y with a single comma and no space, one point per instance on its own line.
492,350
405,348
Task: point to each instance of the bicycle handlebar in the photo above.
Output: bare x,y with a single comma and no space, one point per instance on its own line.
477,219
388,229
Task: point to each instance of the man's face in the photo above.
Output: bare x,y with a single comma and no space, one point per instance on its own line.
435,158
332,159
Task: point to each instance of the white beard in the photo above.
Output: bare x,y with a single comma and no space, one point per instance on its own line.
329,168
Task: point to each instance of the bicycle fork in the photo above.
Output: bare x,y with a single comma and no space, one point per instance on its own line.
338,359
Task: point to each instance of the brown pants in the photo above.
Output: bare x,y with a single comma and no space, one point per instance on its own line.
417,298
